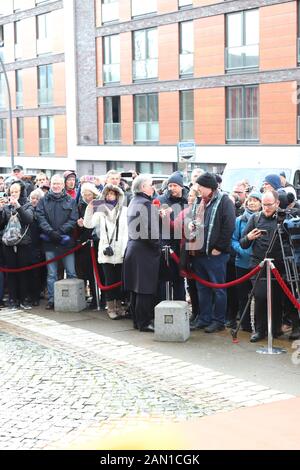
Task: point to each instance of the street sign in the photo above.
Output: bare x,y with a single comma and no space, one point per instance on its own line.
186,150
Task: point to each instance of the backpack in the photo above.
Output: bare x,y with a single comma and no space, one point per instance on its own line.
12,234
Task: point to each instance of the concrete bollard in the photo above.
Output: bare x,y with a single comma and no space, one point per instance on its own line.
69,295
171,322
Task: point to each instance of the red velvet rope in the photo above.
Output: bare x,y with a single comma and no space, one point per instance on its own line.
96,272
285,288
191,275
43,263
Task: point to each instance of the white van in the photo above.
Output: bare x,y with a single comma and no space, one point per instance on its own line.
254,167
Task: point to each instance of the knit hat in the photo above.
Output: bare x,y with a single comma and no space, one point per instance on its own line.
89,187
176,178
208,180
273,180
69,173
256,195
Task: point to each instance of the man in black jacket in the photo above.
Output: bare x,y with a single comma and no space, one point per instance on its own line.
57,215
258,234
212,228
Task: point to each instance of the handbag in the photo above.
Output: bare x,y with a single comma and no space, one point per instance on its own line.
12,234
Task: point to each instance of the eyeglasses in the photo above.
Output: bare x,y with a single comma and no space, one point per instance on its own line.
269,205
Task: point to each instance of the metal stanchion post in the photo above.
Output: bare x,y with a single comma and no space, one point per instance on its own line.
270,349
169,293
96,284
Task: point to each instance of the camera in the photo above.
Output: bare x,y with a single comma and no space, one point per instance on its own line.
108,251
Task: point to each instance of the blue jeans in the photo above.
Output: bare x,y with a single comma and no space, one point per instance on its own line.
212,302
69,265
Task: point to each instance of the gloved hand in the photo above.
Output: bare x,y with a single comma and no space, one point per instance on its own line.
55,237
64,240
44,237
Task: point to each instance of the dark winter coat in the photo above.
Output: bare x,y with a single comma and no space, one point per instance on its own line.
59,214
142,256
177,204
218,232
261,244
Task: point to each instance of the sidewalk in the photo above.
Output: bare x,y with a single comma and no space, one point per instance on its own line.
67,374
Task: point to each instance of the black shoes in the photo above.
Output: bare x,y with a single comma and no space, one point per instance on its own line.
214,327
149,328
50,306
257,337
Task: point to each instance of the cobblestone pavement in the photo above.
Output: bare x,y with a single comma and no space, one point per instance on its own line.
57,380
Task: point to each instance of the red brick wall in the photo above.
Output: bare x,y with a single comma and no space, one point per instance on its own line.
209,46
169,117
210,115
278,113
168,50
278,36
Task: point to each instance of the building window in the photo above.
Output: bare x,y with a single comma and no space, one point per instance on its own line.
19,89
145,54
109,10
1,35
242,123
3,91
242,40
20,135
43,33
185,3
111,57
186,48
112,120
45,85
146,125
18,26
2,136
46,133
139,7
18,5
187,115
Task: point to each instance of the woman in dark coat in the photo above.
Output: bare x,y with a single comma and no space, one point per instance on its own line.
142,256
19,255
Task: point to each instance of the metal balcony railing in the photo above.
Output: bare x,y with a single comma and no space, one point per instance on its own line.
111,73
112,132
242,129
146,131
45,96
20,146
143,69
187,130
110,12
46,145
242,57
43,46
19,99
186,64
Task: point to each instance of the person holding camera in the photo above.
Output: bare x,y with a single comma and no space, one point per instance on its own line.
108,216
258,234
17,246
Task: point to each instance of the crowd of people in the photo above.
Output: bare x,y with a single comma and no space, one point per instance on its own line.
135,228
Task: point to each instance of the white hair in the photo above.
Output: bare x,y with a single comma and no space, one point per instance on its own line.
139,182
36,193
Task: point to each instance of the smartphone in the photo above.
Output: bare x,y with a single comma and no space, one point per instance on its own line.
263,232
127,174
